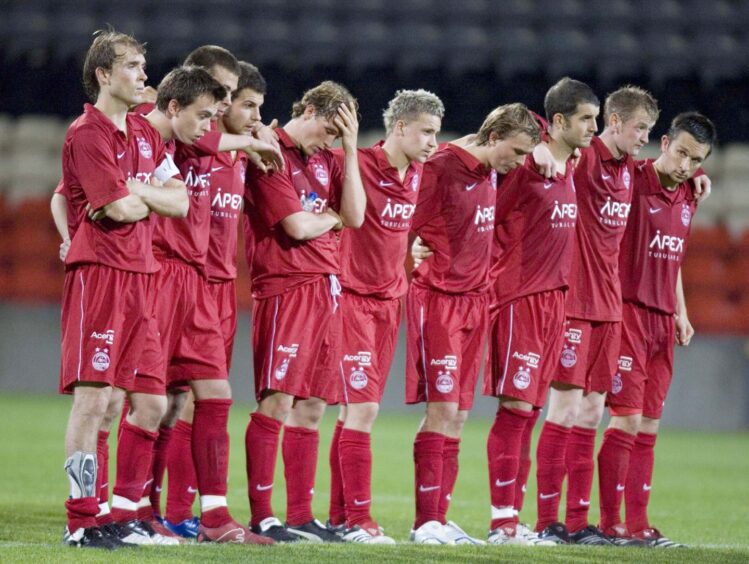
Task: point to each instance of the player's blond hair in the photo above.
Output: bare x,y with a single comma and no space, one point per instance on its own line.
507,121
326,98
625,101
408,105
103,54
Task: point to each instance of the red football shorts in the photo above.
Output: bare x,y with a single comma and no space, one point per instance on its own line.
369,334
184,338
589,353
104,316
225,296
646,362
296,341
445,340
524,342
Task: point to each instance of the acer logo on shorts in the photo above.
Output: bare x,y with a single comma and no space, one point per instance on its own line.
450,362
291,350
363,358
107,336
625,363
397,211
669,243
532,359
563,211
225,200
615,209
574,336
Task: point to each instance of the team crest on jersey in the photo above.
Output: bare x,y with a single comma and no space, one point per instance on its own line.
358,379
686,215
281,371
444,383
415,182
569,357
626,178
321,174
145,148
522,379
101,359
616,384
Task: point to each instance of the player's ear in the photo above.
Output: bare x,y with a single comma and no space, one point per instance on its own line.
102,75
173,108
557,120
492,139
309,111
615,122
400,125
664,143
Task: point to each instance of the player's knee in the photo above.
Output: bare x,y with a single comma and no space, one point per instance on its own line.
590,416
361,417
211,389
628,423
91,402
307,413
147,411
114,408
174,406
649,425
277,406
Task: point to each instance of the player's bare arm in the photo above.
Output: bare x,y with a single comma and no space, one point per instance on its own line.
684,329
303,226
353,198
702,187
129,209
59,207
169,200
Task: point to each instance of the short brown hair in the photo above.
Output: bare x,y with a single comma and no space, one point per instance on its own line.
209,56
102,54
626,100
507,121
326,98
187,84
565,96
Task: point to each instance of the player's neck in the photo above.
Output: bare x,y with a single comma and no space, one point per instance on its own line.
666,181
161,123
294,131
607,136
560,150
396,157
114,108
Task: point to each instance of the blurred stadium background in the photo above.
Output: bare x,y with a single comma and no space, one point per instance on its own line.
475,54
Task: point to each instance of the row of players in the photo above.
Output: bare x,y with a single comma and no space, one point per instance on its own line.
520,241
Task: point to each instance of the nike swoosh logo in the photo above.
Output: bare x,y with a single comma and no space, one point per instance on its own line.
619,488
263,488
605,176
500,484
190,489
365,502
383,183
646,488
122,154
424,489
654,210
105,485
547,185
295,172
158,489
470,187
216,168
148,482
548,496
583,502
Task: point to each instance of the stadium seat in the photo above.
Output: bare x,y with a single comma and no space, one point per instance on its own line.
610,15
269,39
617,55
28,29
317,42
662,15
123,19
513,13
709,270
467,12
418,47
714,16
466,49
567,51
720,56
37,133
363,9
517,51
72,35
367,44
668,55
170,33
709,239
412,12
561,13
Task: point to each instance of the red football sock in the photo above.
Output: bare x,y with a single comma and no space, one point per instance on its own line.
299,451
337,511
134,454
613,462
183,483
524,469
123,416
102,476
81,512
639,482
210,452
428,449
503,453
160,454
550,454
581,446
356,469
261,449
449,476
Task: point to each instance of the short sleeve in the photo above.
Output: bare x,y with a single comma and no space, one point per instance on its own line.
429,204
273,195
93,159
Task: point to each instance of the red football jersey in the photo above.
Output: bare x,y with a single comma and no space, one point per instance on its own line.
604,195
309,184
186,238
97,161
227,194
455,218
373,256
655,240
534,234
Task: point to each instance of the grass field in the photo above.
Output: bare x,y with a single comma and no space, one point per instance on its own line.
700,497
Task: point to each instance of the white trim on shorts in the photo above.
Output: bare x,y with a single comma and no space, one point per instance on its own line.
423,353
272,342
507,356
80,335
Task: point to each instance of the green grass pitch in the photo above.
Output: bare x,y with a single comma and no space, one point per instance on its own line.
700,497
